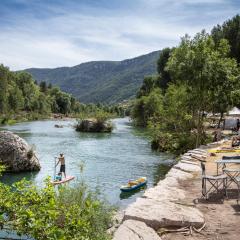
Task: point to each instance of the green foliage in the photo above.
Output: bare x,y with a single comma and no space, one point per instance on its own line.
207,73
95,121
69,213
102,116
164,77
20,95
147,107
196,77
149,83
229,30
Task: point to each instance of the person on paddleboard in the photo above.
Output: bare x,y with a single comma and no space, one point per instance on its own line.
61,160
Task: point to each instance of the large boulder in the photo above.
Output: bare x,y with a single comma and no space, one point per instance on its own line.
16,154
164,213
135,230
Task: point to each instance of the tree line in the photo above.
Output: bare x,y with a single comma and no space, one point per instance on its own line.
199,76
21,96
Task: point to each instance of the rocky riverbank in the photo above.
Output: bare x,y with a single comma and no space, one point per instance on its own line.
170,205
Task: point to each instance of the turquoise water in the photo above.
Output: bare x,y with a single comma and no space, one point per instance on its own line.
110,159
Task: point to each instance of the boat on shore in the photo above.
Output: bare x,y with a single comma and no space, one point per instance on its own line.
134,184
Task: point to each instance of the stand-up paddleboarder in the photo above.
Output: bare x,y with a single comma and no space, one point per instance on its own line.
61,160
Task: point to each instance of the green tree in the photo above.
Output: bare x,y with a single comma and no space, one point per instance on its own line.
4,72
164,77
195,63
43,86
15,98
149,83
230,30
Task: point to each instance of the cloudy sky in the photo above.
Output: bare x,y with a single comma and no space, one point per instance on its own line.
53,33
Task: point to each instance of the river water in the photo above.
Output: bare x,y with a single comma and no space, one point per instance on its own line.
109,159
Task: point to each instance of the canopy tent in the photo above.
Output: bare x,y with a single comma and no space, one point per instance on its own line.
234,112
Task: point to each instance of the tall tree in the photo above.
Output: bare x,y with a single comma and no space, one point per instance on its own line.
164,77
230,30
4,73
195,63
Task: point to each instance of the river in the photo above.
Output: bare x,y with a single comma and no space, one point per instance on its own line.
110,159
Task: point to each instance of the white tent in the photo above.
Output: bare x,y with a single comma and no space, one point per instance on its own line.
234,112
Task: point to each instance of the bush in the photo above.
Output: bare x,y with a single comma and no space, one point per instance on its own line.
70,213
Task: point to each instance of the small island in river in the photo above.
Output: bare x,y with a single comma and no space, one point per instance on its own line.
93,125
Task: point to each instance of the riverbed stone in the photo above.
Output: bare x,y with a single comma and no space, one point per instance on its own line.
157,214
168,181
179,174
135,230
163,192
201,153
190,162
16,154
187,167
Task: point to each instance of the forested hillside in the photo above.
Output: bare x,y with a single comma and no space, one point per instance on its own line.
21,96
100,81
201,75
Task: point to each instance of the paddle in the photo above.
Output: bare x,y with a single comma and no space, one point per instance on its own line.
54,172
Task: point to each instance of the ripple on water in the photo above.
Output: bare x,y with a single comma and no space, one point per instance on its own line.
110,159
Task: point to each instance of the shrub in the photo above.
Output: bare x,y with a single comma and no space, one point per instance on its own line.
70,213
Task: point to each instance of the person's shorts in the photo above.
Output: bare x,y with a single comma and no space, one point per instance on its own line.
62,168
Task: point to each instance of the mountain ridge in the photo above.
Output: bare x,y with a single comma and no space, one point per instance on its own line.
100,81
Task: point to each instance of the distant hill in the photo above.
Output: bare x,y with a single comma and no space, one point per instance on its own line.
100,81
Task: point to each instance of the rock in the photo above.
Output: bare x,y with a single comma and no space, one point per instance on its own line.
163,192
16,154
189,162
92,125
135,230
116,221
179,174
169,181
202,153
157,214
187,167
58,126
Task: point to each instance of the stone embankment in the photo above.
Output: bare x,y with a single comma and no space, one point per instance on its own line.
16,154
165,205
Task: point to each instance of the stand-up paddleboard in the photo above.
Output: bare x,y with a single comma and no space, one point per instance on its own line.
65,180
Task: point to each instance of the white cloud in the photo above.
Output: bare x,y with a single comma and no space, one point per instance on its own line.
86,34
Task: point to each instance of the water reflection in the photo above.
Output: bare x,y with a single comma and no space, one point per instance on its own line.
126,195
110,158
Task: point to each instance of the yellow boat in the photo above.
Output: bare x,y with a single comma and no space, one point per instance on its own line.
133,185
224,150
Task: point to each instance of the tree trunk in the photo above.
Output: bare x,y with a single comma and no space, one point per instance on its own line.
219,122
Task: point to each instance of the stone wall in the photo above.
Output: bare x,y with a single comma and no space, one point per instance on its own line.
163,205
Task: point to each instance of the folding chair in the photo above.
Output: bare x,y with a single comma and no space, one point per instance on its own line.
215,182
238,185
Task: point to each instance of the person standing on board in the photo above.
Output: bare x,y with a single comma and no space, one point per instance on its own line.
61,160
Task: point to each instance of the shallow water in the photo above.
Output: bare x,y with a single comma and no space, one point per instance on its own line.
110,159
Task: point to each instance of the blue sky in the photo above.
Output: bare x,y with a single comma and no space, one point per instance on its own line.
54,33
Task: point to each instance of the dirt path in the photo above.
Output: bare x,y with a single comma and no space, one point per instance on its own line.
222,217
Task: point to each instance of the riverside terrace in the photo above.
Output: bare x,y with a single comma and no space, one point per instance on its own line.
176,210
